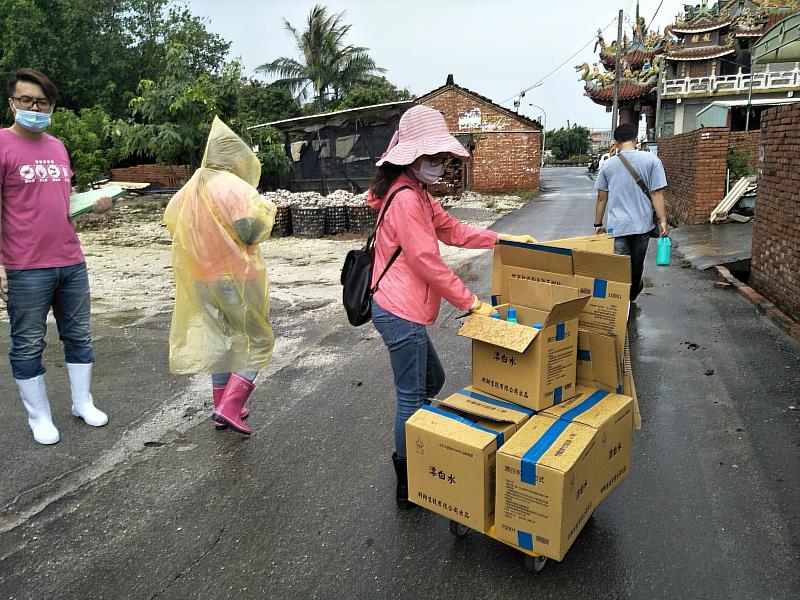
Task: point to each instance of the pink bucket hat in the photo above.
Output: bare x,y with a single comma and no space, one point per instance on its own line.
422,131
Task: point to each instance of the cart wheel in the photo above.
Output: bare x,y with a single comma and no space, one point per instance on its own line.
458,530
534,564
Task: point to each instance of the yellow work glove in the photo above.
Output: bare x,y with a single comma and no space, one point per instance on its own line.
481,308
522,239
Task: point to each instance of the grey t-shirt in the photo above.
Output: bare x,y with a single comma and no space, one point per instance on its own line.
629,210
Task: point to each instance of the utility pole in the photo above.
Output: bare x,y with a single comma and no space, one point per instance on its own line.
615,108
657,132
749,97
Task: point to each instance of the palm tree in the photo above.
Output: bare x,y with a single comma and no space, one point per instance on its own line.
328,66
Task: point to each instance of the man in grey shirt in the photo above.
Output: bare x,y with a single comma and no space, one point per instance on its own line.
630,213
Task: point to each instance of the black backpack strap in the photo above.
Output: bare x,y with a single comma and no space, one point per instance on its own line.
380,220
635,174
387,203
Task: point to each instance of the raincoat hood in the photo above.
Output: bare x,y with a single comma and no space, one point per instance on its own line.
226,151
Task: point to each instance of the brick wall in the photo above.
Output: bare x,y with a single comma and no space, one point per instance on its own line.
507,151
775,265
172,177
695,164
746,142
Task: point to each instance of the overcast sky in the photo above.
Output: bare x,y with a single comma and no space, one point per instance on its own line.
493,47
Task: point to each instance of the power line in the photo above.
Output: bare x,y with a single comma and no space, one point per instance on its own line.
653,18
594,37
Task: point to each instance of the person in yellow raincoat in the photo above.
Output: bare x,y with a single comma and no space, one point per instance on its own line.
220,324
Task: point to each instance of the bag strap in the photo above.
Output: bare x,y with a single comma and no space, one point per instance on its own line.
374,234
635,174
387,203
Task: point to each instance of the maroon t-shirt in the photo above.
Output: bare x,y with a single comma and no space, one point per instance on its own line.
35,182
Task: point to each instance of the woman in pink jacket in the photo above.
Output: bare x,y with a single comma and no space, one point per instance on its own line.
408,298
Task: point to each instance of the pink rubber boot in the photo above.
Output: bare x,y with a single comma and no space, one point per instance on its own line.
217,392
232,402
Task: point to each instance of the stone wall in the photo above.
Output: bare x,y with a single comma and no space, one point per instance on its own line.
507,151
170,177
775,265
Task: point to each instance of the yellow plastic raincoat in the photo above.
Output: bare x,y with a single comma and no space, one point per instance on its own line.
217,220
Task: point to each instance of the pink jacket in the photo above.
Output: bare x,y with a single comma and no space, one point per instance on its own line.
417,281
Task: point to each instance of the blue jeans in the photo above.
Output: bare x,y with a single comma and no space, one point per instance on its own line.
418,373
31,295
634,246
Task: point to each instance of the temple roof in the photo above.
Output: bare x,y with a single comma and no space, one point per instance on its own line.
701,26
628,90
699,52
635,59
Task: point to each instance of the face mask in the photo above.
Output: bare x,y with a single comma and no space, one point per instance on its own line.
31,120
428,173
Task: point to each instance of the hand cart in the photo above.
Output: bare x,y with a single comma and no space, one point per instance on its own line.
533,562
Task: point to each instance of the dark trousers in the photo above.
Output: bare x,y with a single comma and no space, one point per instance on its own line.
634,246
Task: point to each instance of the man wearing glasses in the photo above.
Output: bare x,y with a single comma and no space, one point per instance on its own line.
41,262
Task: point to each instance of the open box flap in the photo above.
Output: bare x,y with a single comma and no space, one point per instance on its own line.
611,267
539,295
528,256
498,333
563,311
600,351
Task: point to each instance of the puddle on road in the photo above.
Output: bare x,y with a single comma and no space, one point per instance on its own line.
121,318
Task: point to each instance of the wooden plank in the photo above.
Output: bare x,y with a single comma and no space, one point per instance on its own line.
730,200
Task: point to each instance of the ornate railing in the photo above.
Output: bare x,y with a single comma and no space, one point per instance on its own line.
732,84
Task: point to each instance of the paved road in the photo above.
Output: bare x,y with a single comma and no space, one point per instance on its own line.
157,505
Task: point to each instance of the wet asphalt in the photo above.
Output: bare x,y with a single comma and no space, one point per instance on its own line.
159,505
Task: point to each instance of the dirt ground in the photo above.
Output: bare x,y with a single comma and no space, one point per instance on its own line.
128,255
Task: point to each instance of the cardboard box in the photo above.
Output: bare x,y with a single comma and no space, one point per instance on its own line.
604,244
605,278
546,482
611,416
531,367
452,448
599,364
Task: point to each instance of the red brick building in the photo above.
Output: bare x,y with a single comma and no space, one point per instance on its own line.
506,147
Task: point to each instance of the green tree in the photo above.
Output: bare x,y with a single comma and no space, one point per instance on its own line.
376,91
97,51
268,145
564,143
327,66
172,116
85,137
262,103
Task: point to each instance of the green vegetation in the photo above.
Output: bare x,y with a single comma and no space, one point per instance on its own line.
86,135
140,80
567,143
738,163
328,68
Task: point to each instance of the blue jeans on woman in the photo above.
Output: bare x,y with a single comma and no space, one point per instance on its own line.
418,373
31,295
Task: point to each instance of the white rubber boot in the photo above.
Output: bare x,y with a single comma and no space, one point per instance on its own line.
80,380
34,397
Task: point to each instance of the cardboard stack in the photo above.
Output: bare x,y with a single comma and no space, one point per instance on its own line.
543,434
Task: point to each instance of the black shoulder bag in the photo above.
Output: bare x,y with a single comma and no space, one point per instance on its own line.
357,288
656,230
